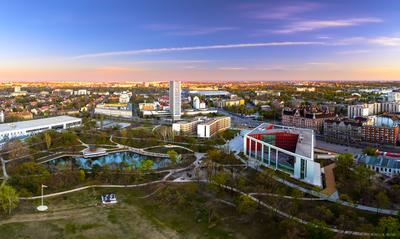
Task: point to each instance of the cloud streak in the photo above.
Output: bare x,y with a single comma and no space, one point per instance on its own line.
196,48
304,26
386,41
273,12
187,30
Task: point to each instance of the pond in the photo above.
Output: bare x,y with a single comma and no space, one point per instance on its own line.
117,160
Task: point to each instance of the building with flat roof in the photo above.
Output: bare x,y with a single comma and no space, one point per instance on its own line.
283,148
212,126
175,99
30,127
209,93
117,110
186,127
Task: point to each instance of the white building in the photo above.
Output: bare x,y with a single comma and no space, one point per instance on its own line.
196,103
175,99
30,127
364,110
287,149
81,92
202,105
1,116
124,98
114,111
212,126
393,96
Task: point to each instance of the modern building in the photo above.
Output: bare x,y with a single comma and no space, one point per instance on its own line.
175,99
212,126
30,127
287,149
210,93
380,130
186,127
229,103
364,110
309,118
115,110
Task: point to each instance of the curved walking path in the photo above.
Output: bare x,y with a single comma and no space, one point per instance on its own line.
287,197
258,201
3,166
139,150
327,198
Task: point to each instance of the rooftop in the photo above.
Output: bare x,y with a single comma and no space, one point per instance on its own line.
304,145
381,161
20,125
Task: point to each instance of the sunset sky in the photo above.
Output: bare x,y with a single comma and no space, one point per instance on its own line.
199,40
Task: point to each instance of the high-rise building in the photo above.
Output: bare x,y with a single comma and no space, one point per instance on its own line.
175,99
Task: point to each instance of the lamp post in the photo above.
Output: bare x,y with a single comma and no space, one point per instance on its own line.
42,207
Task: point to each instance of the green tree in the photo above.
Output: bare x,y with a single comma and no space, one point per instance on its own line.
344,163
382,201
28,177
245,204
317,230
146,165
82,175
389,226
173,156
8,198
370,151
47,139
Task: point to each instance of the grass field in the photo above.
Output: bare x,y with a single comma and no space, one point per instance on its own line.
80,215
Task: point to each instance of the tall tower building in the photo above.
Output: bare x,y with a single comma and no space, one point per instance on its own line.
175,99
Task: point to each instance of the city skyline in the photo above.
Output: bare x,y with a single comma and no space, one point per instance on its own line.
199,41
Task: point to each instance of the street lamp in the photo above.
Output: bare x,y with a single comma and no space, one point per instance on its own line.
42,207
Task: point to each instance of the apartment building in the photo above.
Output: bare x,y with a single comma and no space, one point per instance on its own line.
310,118
210,127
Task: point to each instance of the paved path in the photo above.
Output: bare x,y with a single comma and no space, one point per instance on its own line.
3,166
259,202
330,184
140,151
325,197
287,197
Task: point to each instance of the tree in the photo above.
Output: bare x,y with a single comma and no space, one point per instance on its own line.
15,149
146,165
344,163
47,139
382,200
28,177
317,230
370,151
8,198
389,225
245,204
82,175
173,156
